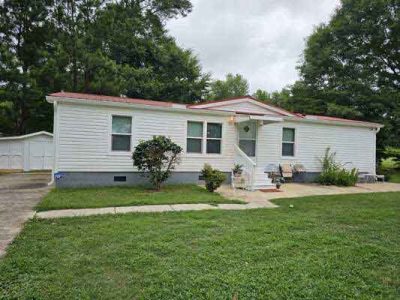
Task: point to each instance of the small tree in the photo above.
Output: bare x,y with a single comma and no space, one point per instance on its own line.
156,158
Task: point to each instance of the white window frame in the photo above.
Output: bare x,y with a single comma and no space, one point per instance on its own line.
195,138
204,140
214,139
110,134
294,143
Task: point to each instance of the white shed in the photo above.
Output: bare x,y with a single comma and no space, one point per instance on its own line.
27,152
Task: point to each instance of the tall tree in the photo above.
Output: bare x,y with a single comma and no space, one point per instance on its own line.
351,66
97,46
23,30
232,86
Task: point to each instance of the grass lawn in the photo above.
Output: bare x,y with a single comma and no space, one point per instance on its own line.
125,196
329,247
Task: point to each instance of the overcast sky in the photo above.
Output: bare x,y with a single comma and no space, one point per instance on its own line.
261,39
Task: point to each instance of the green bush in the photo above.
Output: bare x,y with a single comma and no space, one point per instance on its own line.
334,174
394,154
156,158
213,177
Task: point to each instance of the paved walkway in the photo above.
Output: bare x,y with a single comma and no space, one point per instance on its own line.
254,200
148,208
19,193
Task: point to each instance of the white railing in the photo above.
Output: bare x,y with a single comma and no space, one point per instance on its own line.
249,166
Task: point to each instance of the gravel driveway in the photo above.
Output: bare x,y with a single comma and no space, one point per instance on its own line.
19,193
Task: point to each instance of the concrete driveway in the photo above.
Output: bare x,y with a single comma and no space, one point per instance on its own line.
19,193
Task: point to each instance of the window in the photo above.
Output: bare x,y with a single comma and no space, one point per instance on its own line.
194,137
248,137
214,136
121,133
288,136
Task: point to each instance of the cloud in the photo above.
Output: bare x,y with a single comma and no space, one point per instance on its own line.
261,39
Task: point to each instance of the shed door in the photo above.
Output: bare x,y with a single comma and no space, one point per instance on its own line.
11,155
40,155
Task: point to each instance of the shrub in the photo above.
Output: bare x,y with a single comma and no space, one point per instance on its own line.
213,177
156,158
394,154
334,174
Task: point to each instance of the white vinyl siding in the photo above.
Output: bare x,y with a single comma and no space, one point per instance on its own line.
84,138
354,146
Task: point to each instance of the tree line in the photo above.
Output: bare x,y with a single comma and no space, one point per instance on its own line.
350,66
93,46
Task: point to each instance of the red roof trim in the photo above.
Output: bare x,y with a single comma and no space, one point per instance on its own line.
104,98
221,100
327,118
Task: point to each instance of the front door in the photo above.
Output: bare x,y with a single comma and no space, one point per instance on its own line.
248,137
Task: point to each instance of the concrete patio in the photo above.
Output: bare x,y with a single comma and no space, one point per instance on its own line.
293,190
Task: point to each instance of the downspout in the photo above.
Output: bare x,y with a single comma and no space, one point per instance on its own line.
55,142
376,164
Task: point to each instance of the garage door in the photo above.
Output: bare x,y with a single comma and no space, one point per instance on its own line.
11,155
40,155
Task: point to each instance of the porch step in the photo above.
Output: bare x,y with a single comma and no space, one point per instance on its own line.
262,181
264,186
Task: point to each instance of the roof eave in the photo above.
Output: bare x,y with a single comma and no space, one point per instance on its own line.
52,99
339,123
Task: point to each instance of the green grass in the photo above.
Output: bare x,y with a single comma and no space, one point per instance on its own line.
125,196
329,247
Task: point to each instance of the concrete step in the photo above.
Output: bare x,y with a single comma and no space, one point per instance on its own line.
264,187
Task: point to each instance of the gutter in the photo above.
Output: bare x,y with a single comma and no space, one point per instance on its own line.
338,123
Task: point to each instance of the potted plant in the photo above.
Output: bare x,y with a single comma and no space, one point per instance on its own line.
278,184
237,169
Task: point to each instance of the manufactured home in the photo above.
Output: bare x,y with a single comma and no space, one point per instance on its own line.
94,137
